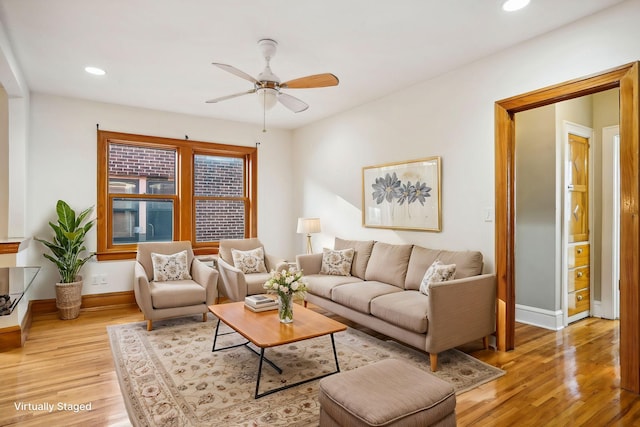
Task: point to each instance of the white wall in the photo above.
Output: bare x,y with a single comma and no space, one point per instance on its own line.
62,163
4,163
535,242
606,112
450,116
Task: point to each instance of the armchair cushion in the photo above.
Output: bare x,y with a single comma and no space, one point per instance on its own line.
251,261
178,293
170,267
145,249
226,246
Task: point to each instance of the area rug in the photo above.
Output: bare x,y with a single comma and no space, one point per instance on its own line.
170,377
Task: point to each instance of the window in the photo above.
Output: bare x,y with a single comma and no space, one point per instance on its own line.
161,189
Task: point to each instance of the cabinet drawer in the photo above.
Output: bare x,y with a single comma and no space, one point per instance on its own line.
578,279
578,255
579,302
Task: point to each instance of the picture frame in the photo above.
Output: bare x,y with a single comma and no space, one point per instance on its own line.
403,195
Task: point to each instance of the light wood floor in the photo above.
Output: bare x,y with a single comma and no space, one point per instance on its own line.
565,378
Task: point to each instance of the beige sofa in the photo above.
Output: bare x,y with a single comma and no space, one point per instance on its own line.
382,293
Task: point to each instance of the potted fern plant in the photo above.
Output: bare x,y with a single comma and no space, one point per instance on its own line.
69,255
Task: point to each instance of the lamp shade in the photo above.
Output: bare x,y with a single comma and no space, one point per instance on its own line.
308,225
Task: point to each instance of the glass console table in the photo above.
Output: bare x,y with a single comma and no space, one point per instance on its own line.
14,282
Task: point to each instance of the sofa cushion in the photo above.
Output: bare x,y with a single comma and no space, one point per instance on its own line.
437,272
421,259
407,310
468,263
251,261
170,267
336,262
388,263
361,255
321,284
179,293
358,296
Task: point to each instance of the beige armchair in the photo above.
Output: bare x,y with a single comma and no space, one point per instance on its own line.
236,284
165,299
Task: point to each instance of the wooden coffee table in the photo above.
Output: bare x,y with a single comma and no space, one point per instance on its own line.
264,330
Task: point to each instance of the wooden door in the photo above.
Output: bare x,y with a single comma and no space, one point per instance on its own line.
578,188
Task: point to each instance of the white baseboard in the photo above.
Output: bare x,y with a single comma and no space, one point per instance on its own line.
596,309
539,317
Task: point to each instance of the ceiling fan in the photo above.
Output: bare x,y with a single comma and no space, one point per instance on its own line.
268,85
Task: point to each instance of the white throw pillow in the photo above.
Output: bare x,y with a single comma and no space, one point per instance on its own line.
249,261
170,267
337,262
437,272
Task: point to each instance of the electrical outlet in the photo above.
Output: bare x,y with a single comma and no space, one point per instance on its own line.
95,280
103,279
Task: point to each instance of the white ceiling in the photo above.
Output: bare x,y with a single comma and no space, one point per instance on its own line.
158,53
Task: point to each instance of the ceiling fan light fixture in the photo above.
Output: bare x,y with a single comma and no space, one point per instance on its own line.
267,97
513,5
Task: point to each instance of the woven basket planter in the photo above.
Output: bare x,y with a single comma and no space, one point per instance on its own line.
69,299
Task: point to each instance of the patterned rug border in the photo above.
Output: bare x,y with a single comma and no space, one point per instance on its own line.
377,350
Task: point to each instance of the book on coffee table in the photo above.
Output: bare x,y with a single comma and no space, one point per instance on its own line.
263,307
258,301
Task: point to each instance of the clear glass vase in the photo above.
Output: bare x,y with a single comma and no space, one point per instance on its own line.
285,308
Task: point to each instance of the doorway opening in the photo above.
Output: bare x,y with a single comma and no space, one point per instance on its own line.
627,78
561,202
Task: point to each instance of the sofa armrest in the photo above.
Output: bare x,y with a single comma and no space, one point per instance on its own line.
460,311
233,281
141,289
309,263
206,277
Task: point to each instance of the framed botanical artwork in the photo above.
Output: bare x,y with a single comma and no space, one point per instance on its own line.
402,195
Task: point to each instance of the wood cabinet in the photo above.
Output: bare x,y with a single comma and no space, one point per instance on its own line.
578,279
578,248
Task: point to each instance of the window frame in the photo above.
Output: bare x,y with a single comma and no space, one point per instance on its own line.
184,221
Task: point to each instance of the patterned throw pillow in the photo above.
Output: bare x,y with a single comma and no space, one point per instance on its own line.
437,272
249,261
337,262
170,267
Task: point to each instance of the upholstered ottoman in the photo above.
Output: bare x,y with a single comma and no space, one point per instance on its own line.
386,393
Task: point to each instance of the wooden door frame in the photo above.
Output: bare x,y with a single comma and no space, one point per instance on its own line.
627,79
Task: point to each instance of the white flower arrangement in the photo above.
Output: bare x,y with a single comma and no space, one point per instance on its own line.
287,283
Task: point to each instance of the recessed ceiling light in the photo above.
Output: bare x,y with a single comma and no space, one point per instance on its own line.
95,71
512,5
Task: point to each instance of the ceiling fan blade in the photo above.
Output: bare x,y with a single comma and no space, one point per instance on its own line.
308,82
233,70
292,103
223,98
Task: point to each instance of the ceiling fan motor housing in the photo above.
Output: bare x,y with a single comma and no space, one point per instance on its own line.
268,49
